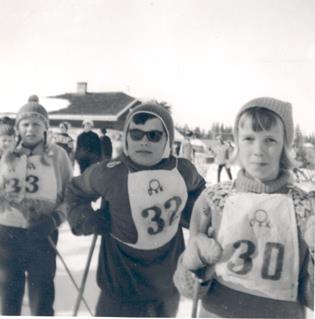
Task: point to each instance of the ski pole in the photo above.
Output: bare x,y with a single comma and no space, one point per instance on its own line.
84,278
199,278
196,291
69,273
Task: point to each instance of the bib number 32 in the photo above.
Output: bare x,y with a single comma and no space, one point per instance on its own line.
171,207
273,256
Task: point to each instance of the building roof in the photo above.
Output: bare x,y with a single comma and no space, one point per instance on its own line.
104,108
101,103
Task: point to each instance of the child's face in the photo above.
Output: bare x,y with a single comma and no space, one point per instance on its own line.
31,130
7,143
140,149
260,152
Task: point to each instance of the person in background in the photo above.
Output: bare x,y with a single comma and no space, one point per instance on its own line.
106,145
150,194
251,241
176,148
33,183
7,136
88,146
222,152
186,148
64,139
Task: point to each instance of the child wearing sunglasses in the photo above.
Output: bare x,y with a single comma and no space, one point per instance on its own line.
149,194
251,240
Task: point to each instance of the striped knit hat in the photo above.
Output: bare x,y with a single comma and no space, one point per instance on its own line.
280,108
32,109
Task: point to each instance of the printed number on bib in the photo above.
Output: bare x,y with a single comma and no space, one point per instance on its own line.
155,214
272,258
31,184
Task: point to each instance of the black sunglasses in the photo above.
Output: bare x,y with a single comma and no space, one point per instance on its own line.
153,136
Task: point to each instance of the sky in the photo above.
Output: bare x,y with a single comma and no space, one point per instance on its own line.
206,58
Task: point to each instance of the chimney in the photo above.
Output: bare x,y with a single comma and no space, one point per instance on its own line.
81,88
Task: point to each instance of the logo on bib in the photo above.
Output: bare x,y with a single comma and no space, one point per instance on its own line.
260,218
112,164
154,187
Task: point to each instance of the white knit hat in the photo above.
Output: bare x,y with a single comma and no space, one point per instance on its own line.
88,121
281,108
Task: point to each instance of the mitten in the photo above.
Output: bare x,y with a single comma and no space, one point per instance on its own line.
201,251
96,223
43,226
184,281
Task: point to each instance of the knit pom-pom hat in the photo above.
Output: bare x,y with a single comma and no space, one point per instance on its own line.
280,108
32,109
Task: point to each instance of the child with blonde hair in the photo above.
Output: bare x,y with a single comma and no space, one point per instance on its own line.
250,239
33,185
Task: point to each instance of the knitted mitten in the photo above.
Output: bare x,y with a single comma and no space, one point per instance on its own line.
201,251
184,281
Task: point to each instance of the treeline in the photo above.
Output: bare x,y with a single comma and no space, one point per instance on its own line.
211,133
227,133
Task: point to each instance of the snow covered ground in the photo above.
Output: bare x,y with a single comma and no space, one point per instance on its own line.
75,251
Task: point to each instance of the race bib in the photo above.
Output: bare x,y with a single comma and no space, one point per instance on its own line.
31,179
258,233
157,199
13,179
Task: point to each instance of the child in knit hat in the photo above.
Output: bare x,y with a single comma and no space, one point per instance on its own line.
249,239
64,139
36,182
149,193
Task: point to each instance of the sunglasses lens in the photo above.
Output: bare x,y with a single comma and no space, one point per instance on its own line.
154,136
136,135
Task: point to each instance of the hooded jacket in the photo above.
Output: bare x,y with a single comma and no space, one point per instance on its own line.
147,208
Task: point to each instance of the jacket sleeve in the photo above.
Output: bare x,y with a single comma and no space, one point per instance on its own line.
306,283
195,185
307,228
64,170
79,195
183,278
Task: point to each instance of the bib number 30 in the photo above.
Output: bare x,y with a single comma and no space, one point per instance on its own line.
273,256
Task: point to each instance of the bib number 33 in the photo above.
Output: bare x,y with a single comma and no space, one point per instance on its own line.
272,264
12,185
